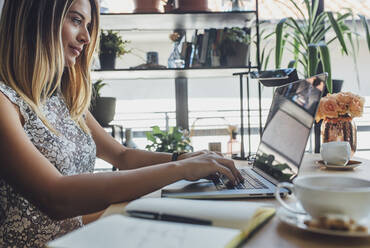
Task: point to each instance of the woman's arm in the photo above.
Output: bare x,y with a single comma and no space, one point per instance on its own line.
108,149
27,170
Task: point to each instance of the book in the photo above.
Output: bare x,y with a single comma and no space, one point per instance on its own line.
229,224
203,53
210,47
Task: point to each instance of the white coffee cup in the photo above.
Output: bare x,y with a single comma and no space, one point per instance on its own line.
336,152
323,195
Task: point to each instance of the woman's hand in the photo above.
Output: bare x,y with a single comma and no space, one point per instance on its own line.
197,153
204,164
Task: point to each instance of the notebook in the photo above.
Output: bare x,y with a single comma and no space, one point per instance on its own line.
279,153
224,228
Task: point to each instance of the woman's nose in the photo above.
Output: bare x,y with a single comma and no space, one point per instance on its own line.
84,36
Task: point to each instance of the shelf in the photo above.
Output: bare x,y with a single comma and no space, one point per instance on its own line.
128,74
171,21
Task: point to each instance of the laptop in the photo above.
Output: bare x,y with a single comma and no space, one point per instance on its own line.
279,153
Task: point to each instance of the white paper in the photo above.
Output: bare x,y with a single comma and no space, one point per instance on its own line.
118,231
229,214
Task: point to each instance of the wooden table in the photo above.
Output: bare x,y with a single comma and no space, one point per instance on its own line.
277,234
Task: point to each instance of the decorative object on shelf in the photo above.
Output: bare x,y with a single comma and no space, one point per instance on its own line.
306,38
102,108
146,6
129,142
337,111
235,5
151,62
233,145
214,146
111,46
152,57
169,6
234,47
175,60
173,140
191,5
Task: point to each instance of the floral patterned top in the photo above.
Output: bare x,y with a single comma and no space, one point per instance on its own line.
22,224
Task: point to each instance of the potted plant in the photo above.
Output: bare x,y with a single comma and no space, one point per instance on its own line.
102,108
111,46
173,140
146,6
234,46
306,38
192,5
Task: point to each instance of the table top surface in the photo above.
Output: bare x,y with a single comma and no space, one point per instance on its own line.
278,234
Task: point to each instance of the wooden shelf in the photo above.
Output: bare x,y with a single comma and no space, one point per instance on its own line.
171,21
128,74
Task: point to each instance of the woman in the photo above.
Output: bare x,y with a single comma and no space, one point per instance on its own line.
48,138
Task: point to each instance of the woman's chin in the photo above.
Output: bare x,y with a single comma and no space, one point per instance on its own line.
70,62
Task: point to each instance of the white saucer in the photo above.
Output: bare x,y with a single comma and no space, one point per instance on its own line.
297,220
350,166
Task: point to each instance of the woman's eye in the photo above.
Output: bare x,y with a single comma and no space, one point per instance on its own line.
76,20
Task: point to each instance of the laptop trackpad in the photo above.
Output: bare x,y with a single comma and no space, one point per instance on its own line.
185,186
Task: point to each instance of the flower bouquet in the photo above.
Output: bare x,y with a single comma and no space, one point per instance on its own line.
337,111
343,104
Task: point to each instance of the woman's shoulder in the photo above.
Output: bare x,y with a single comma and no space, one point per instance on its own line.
9,102
9,92
8,109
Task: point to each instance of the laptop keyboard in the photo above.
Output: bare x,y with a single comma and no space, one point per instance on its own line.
250,182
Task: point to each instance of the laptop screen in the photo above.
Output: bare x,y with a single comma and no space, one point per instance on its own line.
288,126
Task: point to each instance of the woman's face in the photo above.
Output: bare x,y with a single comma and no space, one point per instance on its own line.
75,31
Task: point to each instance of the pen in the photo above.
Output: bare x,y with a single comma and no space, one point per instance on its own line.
168,217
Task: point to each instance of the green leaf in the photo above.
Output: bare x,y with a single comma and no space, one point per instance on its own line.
156,130
355,62
267,59
366,27
319,21
313,59
338,31
168,141
300,30
325,59
315,7
299,10
279,42
150,136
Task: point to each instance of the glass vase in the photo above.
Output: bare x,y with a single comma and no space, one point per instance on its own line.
342,128
233,146
175,60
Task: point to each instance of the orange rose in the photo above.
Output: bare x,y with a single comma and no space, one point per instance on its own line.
329,107
356,107
344,99
333,105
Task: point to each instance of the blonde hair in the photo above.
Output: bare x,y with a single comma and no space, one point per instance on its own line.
32,58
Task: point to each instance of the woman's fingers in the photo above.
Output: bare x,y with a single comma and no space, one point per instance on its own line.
227,172
230,165
219,154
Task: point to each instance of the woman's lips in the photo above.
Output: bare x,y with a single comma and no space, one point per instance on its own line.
75,51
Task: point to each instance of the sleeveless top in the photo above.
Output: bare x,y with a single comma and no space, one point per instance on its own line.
22,224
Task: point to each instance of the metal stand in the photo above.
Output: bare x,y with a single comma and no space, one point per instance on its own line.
242,150
182,112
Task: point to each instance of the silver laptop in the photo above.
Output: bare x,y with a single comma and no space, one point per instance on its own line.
279,153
